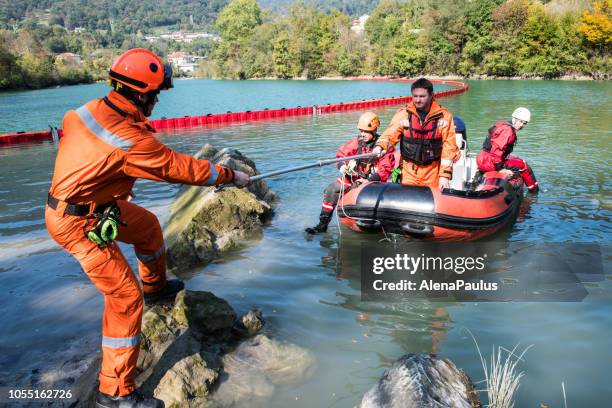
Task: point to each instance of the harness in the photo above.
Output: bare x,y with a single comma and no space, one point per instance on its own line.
422,145
102,226
487,144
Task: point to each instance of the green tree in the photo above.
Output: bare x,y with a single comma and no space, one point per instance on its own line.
541,40
281,57
385,22
507,20
11,75
237,21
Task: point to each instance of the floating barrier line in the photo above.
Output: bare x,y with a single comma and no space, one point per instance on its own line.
216,119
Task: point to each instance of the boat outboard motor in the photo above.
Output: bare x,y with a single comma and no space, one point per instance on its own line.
461,133
463,167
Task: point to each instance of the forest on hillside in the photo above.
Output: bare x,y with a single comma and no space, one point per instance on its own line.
470,38
462,37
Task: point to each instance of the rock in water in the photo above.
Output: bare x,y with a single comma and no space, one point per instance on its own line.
204,224
196,346
252,322
257,365
203,312
422,381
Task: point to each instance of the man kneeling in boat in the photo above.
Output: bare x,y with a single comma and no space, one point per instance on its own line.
354,172
426,133
496,149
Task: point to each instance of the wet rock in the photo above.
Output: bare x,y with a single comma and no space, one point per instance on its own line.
203,312
257,365
204,224
155,327
234,159
191,351
252,322
417,381
187,383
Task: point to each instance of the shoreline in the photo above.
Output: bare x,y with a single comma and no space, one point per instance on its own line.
450,77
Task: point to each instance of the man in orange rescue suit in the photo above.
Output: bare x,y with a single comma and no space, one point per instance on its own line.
426,133
107,145
499,143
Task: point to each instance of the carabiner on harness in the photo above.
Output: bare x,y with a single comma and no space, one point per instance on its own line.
105,228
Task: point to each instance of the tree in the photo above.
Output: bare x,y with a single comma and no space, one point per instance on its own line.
237,21
385,22
281,58
11,75
507,20
540,38
596,27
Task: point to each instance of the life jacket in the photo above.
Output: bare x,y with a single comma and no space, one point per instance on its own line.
421,143
365,166
487,145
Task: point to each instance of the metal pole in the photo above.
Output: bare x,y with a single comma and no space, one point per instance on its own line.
320,163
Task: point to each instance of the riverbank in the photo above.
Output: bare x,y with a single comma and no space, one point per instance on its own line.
568,77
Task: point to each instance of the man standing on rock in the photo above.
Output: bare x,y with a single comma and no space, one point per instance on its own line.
107,145
426,133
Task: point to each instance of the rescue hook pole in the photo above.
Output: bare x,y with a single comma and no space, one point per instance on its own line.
320,163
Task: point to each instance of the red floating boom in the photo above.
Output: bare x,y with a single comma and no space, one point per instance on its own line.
251,116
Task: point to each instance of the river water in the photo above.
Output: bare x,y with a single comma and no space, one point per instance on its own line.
307,288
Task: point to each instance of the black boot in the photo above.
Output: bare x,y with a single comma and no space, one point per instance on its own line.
324,220
173,286
133,400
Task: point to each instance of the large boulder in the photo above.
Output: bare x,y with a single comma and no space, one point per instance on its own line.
422,381
205,223
182,347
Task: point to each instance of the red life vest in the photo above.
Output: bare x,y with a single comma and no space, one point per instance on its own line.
421,143
487,144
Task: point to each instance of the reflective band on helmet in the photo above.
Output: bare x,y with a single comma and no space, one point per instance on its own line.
152,257
120,342
214,174
103,134
445,162
119,77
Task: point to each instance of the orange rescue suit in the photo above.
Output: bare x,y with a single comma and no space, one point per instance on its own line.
106,145
437,130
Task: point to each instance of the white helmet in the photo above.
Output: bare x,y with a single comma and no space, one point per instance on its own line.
522,114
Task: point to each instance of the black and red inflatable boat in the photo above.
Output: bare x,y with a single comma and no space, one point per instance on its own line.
475,206
472,211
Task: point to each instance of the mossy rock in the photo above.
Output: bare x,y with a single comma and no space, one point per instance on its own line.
203,312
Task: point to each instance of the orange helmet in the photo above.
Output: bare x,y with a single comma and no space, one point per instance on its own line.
142,71
368,122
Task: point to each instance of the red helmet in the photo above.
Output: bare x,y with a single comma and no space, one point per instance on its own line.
142,71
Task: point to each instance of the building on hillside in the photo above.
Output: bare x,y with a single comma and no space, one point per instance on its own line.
69,58
180,36
184,62
358,25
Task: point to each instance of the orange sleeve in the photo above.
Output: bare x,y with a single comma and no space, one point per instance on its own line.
151,159
450,150
392,134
